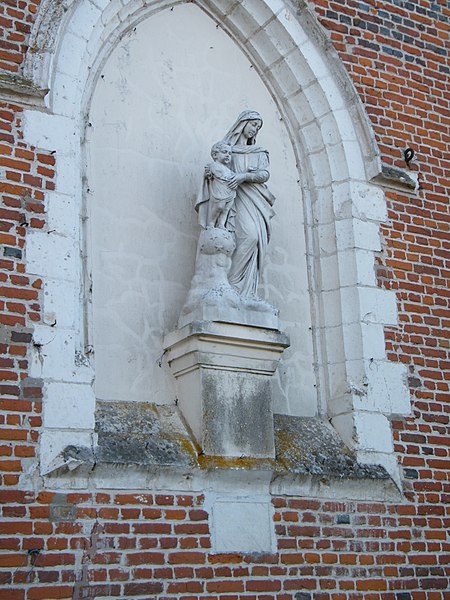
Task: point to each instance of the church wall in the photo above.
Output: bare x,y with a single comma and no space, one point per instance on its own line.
111,543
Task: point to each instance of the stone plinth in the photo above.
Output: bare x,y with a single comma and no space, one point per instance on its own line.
223,373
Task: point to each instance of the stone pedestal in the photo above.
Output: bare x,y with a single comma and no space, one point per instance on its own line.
223,373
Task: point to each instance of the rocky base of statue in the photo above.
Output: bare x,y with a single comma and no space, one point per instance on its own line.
211,297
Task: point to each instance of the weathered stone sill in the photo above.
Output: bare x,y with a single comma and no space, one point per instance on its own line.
143,446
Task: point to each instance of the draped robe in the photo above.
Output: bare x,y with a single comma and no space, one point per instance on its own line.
253,211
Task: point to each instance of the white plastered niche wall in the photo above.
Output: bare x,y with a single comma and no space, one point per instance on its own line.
333,145
165,94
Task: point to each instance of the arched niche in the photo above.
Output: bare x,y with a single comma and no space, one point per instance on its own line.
333,145
172,87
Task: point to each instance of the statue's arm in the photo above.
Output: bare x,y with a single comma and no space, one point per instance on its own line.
260,173
257,176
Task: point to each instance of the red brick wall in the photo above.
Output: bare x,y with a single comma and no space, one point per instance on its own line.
127,546
16,18
131,545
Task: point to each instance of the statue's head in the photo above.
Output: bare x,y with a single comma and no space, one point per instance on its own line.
245,129
221,152
251,129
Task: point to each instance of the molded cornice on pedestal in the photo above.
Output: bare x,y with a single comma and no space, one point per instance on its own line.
223,373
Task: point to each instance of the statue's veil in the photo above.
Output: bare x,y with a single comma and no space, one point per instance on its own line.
232,136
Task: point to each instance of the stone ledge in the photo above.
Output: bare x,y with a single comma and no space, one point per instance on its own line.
21,91
396,179
143,446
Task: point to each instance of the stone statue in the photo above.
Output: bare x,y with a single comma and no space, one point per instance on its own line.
215,203
234,208
253,204
228,342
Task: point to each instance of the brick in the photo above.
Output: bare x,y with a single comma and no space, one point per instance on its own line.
143,588
187,558
151,558
50,593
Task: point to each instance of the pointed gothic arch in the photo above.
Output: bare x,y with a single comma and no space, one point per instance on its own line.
334,144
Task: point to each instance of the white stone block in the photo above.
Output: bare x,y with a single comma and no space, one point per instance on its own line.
329,273
100,4
317,99
69,406
302,111
285,44
374,346
276,6
329,128
366,235
345,426
347,268
290,22
52,132
353,343
339,162
378,306
335,343
313,137
262,12
368,202
350,305
95,39
288,75
129,10
373,432
241,524
345,234
108,34
60,301
388,461
338,126
56,354
263,47
365,267
387,389
63,215
342,200
52,443
332,311
243,23
53,352
355,160
66,95
331,90
337,382
326,237
320,167
68,180
52,255
83,19
353,233
110,11
322,205
314,59
70,55
223,6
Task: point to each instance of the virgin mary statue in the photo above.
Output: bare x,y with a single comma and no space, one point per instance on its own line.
253,204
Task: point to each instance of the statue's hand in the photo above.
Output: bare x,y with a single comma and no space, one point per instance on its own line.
208,173
237,180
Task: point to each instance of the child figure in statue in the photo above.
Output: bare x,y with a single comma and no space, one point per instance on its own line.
221,196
